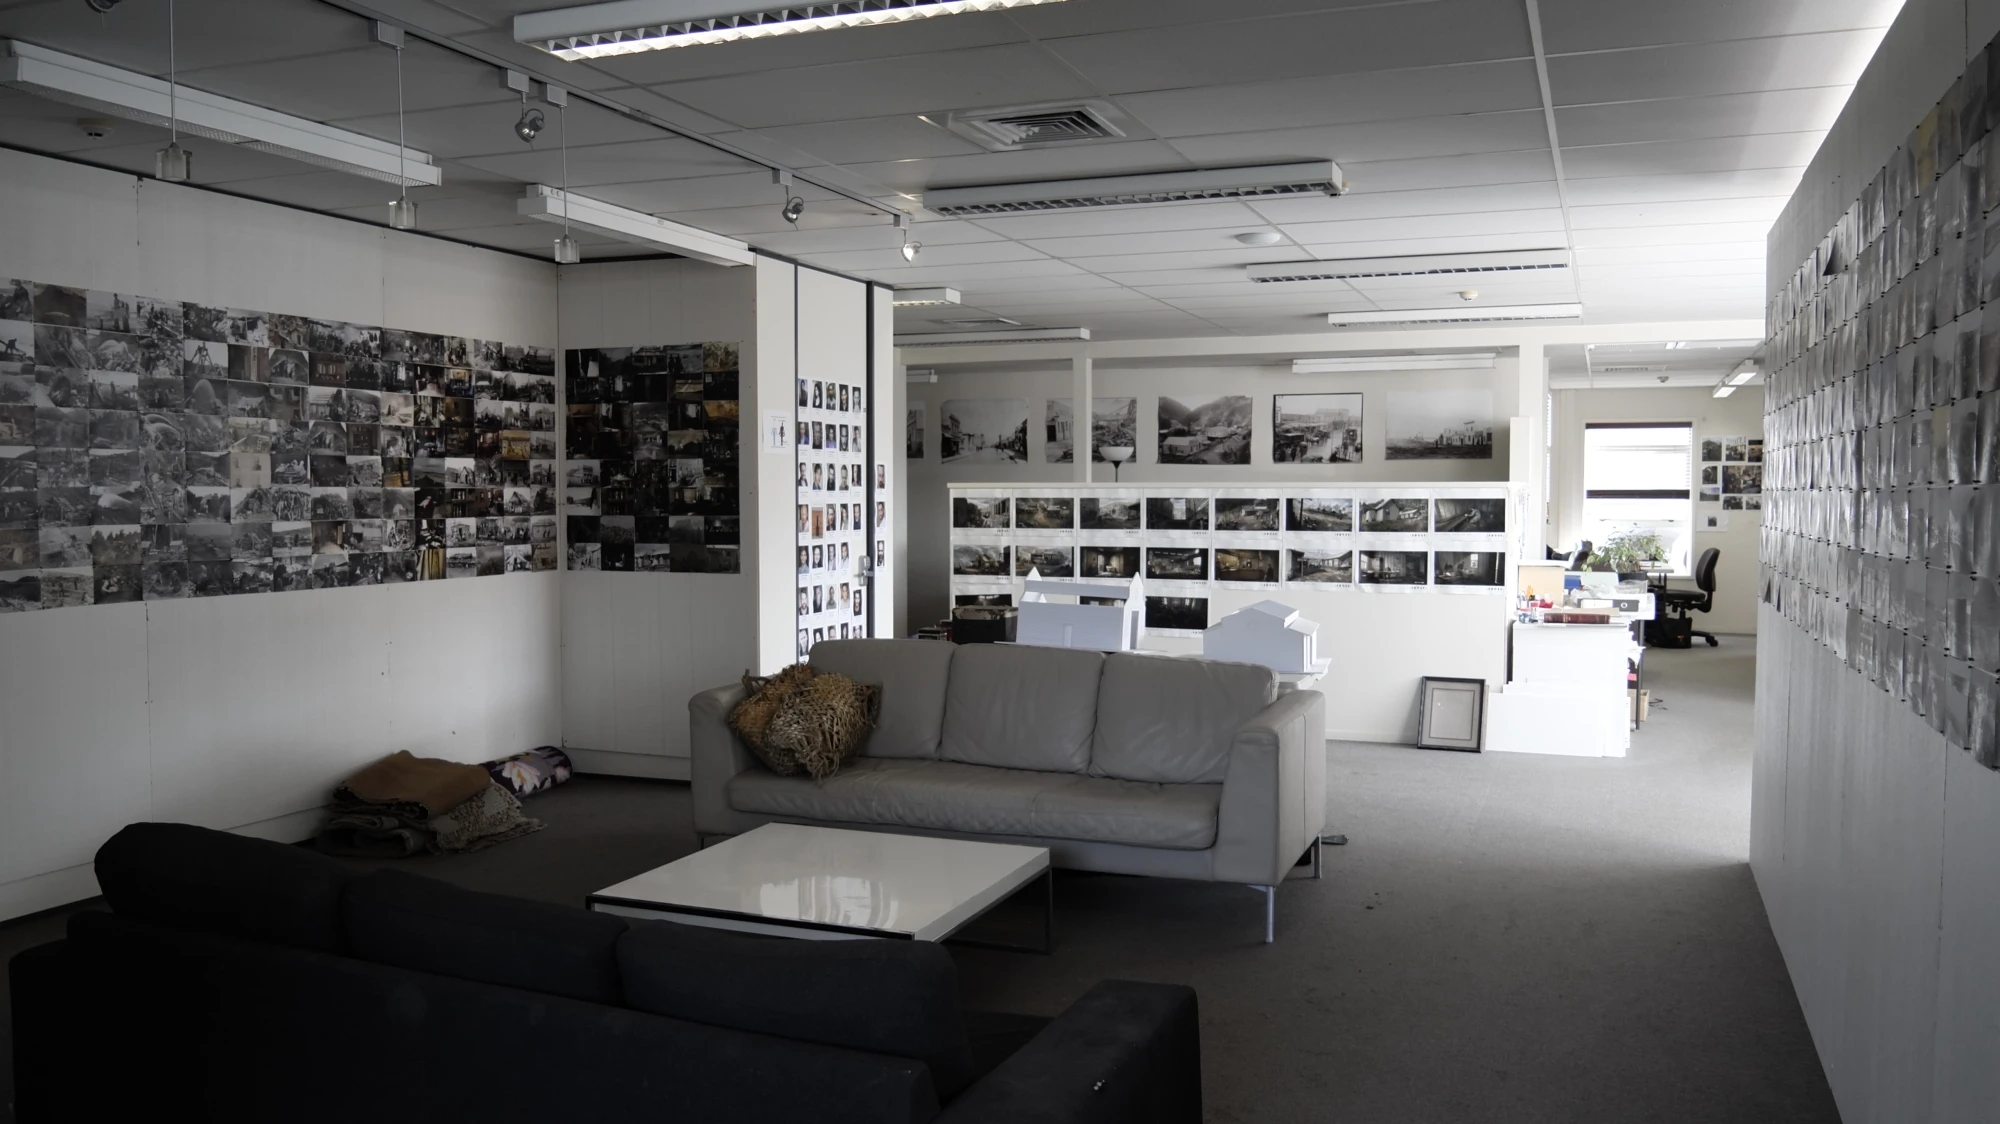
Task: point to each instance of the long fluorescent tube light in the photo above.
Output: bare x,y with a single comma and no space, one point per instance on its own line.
137,97
547,203
1743,376
1461,315
1004,335
1724,391
1313,177
918,298
1419,265
625,27
1344,364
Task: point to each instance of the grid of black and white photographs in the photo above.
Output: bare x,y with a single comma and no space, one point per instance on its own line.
1211,430
1316,428
1732,472
157,449
1114,422
1189,543
1440,425
839,514
1879,482
651,446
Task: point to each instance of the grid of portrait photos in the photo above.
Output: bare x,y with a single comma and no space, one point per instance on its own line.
1732,472
1187,543
158,449
843,511
651,447
1880,478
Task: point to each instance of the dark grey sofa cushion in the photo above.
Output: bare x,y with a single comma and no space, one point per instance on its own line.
1021,707
912,675
1171,721
431,926
187,877
898,998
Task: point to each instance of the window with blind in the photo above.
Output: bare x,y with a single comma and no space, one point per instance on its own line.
1640,476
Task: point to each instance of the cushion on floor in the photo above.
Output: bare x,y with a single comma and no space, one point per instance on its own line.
1172,720
882,996
912,675
1021,707
423,924
948,796
188,877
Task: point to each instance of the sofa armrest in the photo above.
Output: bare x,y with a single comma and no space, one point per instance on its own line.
1125,1053
716,755
1274,791
55,1008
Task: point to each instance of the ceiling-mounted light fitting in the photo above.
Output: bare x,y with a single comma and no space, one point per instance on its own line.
794,206
1724,390
554,205
1260,238
1747,374
1313,177
402,210
1344,364
1413,265
173,163
919,298
1456,315
1004,335
530,124
568,251
910,249
101,7
623,27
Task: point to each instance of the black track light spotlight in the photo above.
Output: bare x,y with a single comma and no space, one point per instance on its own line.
530,125
101,7
910,249
794,207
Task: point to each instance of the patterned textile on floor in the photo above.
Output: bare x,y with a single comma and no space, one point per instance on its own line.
391,809
537,770
493,816
373,835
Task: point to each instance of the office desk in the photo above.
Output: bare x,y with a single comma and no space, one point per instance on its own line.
1566,691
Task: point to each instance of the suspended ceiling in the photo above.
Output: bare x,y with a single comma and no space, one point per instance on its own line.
1682,129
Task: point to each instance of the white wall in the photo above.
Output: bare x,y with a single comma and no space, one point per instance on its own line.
636,646
243,712
1872,840
1741,414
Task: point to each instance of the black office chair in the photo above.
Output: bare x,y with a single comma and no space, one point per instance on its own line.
1581,558
1678,631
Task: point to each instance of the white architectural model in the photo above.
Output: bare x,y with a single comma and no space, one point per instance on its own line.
1266,633
1066,624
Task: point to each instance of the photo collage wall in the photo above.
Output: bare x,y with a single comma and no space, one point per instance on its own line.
1881,475
1732,472
843,512
1187,542
652,447
155,449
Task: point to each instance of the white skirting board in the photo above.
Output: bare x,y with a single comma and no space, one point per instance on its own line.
610,764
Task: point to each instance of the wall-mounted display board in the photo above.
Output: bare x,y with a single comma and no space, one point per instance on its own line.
155,449
1192,544
1880,476
651,444
840,511
1732,472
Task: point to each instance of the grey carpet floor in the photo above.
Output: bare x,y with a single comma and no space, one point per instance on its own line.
1506,938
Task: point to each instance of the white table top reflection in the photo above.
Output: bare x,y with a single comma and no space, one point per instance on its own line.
823,882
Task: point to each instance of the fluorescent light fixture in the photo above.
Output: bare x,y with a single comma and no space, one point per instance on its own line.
1743,376
624,27
1003,335
1417,265
920,374
1313,177
1463,314
1724,391
1343,364
547,203
136,97
919,298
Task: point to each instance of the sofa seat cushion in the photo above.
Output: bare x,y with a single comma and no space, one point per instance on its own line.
912,675
1019,707
982,800
1172,720
188,877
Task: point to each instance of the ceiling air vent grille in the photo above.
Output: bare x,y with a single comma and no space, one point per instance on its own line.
1012,129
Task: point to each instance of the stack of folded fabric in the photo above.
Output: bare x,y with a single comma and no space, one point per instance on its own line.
403,805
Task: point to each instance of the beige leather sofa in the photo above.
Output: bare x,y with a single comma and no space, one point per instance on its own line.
1125,763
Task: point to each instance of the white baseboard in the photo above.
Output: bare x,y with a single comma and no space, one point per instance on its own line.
38,892
608,763
1380,737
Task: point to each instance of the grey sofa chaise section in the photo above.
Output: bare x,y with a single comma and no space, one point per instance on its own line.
1123,763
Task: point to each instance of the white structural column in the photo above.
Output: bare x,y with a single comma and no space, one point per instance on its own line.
1081,444
1529,446
773,502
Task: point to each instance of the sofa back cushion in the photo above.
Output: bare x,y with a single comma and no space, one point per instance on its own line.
188,877
898,998
912,675
430,926
1171,721
1020,707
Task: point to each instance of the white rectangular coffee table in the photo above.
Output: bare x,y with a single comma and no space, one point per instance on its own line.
823,883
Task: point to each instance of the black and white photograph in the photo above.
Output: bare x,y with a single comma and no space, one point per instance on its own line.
1047,561
1469,516
1174,563
1108,514
1395,515
1484,568
913,431
1440,425
1213,430
1120,562
1236,564
1237,514
983,431
980,561
983,513
1315,514
1711,450
1040,513
1393,567
1114,423
1742,479
1176,513
1187,614
1735,450
1316,428
1320,567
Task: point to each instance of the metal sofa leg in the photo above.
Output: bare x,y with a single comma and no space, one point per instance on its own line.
1317,866
1270,912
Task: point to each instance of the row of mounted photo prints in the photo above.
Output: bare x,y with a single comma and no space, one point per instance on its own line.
1465,515
1316,567
835,522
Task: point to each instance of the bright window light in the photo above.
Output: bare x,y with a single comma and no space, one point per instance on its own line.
1640,476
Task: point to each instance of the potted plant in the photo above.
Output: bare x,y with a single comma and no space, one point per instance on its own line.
1629,551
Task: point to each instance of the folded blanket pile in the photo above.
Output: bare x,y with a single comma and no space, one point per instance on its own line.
403,805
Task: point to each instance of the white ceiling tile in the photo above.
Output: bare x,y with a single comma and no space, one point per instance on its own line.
1761,182
1714,154
1628,215
892,43
1530,165
1147,275
1718,251
1200,259
1015,167
672,197
1463,244
661,158
1596,25
1379,204
1725,115
1693,234
1695,70
1338,99
135,36
901,136
1270,304
890,256
1158,242
971,278
1538,221
933,235
1374,140
1075,279
358,82
488,130
1125,220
